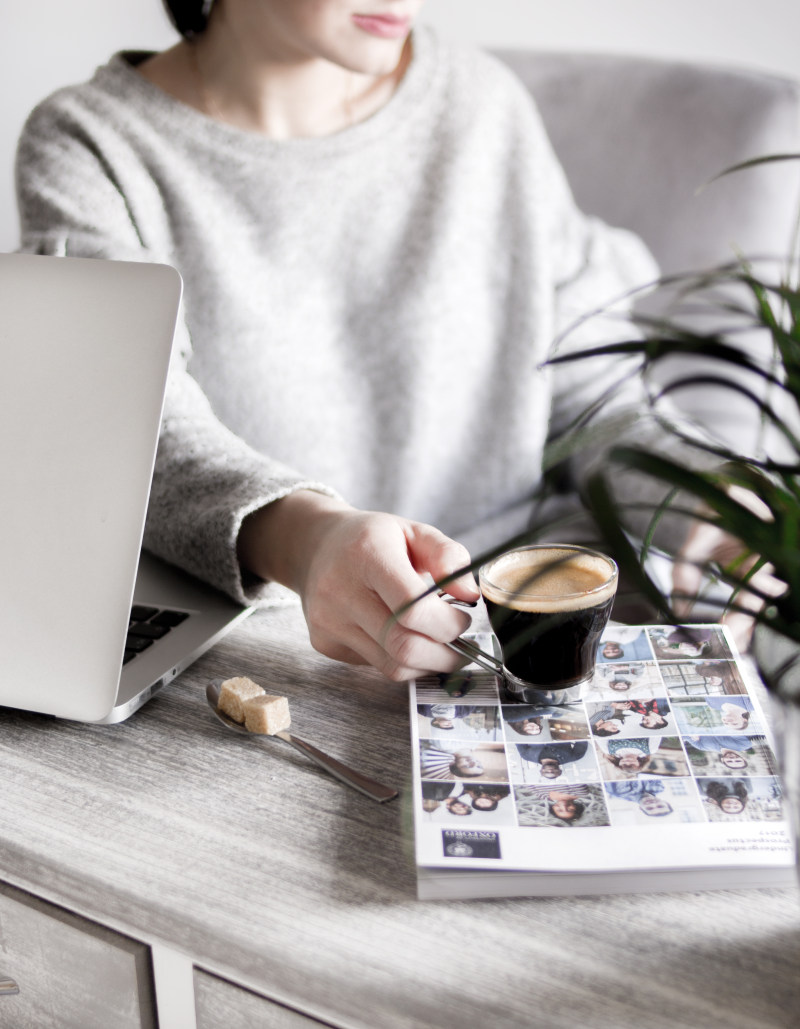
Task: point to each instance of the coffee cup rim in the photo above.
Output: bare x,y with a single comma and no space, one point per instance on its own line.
573,548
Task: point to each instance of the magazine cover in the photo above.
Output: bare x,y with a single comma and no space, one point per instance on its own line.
665,765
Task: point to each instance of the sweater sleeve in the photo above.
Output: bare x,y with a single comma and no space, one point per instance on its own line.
206,479
597,272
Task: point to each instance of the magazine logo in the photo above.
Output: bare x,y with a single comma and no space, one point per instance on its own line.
461,843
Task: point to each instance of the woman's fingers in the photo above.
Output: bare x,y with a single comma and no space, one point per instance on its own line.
406,551
431,552
364,595
706,545
410,661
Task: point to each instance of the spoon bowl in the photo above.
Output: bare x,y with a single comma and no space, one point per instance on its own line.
349,776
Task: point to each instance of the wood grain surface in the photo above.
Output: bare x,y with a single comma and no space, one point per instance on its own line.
71,973
271,874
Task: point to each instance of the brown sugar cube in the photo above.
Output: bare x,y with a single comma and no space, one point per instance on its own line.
266,714
233,693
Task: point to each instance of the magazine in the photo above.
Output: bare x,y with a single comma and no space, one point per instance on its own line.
662,777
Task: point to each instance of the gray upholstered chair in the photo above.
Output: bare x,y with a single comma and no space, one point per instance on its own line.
637,137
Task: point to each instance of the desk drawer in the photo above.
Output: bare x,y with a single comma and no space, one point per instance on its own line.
221,1003
71,973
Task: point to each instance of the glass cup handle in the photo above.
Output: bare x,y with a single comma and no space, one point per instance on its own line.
467,648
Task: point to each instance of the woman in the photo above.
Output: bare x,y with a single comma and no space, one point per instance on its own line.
730,798
653,712
629,756
563,805
377,247
609,719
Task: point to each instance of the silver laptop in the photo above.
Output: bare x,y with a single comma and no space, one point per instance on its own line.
84,352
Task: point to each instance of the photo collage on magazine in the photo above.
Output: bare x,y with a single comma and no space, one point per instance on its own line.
666,731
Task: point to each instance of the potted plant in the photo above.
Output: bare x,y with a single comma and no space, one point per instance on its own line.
718,488
753,497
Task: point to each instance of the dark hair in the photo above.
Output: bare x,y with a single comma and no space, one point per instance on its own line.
491,806
718,791
457,800
189,17
641,760
516,725
477,789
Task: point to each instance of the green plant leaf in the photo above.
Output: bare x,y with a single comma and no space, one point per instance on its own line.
753,162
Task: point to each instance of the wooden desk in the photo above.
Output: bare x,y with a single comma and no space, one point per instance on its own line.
265,872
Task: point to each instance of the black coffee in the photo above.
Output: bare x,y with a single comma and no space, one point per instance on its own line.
548,608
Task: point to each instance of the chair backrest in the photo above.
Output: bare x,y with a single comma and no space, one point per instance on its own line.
639,137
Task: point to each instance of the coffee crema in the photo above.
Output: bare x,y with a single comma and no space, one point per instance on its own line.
549,580
548,606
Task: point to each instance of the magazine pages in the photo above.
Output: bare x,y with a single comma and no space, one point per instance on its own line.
662,777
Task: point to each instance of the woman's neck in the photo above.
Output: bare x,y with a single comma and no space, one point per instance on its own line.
226,80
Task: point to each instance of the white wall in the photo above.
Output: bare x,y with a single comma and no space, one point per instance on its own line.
48,43
755,33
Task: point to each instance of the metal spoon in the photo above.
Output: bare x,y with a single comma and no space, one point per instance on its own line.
375,790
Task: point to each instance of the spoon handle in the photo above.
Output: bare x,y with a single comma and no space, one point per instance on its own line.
375,790
472,651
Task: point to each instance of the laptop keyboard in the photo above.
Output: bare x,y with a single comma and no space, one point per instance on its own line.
147,626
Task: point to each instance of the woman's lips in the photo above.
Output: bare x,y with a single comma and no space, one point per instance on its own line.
385,26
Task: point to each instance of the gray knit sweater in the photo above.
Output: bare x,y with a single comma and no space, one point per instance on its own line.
364,313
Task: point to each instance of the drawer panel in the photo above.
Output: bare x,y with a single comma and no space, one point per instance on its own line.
222,1003
71,973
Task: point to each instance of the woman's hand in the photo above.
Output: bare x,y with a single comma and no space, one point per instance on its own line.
707,544
353,570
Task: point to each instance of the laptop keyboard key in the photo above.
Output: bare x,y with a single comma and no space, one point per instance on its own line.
148,630
140,613
137,644
148,624
169,618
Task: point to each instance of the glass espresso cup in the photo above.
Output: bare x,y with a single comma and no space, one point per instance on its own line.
548,605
